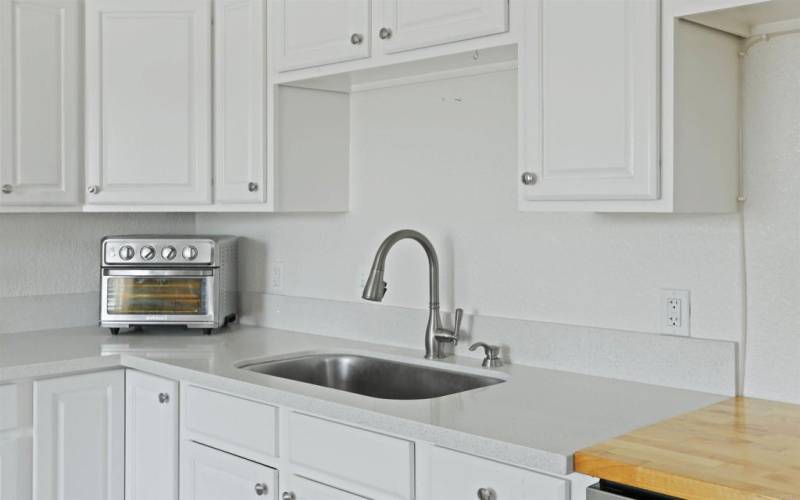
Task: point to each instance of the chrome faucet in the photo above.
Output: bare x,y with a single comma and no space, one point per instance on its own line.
436,337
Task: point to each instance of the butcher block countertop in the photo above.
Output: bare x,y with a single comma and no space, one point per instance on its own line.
741,448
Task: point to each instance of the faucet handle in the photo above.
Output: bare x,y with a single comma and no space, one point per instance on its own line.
491,353
457,317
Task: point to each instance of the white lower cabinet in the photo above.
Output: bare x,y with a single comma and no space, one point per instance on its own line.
151,437
210,474
301,488
458,476
79,437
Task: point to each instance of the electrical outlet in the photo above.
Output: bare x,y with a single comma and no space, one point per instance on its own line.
362,280
276,276
675,312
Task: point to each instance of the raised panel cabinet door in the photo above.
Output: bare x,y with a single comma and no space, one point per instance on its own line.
15,467
306,489
210,474
413,24
239,104
148,101
590,99
310,33
151,437
79,437
40,102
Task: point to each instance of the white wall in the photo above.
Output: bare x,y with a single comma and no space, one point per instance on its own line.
47,255
423,160
772,217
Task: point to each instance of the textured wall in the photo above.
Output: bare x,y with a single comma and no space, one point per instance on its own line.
772,217
425,160
55,254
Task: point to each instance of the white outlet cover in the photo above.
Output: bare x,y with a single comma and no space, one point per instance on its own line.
675,312
276,277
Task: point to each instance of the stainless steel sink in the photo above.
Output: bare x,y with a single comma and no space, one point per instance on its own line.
374,377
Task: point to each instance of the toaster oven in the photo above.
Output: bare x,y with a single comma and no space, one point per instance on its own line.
168,280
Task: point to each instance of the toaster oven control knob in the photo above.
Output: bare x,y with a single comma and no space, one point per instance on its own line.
168,253
189,253
126,252
147,253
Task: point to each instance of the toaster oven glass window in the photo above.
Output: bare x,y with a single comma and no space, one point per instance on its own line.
139,295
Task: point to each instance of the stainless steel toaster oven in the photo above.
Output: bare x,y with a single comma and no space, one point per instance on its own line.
186,281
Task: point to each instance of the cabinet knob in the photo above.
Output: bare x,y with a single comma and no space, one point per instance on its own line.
261,489
163,398
356,38
94,189
288,495
7,189
252,187
385,33
486,494
529,178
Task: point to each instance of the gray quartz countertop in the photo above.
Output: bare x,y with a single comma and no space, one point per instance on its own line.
538,418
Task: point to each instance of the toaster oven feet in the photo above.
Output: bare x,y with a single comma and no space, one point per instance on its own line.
207,331
114,331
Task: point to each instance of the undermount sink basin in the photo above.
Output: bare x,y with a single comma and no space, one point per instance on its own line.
374,377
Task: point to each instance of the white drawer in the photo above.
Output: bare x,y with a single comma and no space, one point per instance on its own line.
305,489
233,424
346,455
458,476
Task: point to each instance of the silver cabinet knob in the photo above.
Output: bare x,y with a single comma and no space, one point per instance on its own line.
261,489
126,252
252,187
163,398
529,178
486,494
356,38
168,253
7,189
147,252
189,253
288,495
94,189
385,33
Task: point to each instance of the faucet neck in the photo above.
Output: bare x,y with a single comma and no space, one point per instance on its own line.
379,264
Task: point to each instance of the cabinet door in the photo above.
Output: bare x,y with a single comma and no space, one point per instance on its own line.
79,437
315,32
305,489
151,437
148,93
209,474
590,94
422,23
240,90
467,475
40,102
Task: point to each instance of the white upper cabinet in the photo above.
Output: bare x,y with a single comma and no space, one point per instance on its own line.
79,437
315,32
148,88
590,101
40,102
151,437
414,24
239,101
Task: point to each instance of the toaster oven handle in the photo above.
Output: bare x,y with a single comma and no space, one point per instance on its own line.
159,272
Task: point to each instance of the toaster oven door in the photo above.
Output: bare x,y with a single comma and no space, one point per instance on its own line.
159,296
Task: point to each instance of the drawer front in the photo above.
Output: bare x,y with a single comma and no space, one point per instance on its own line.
305,489
241,426
459,476
348,455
